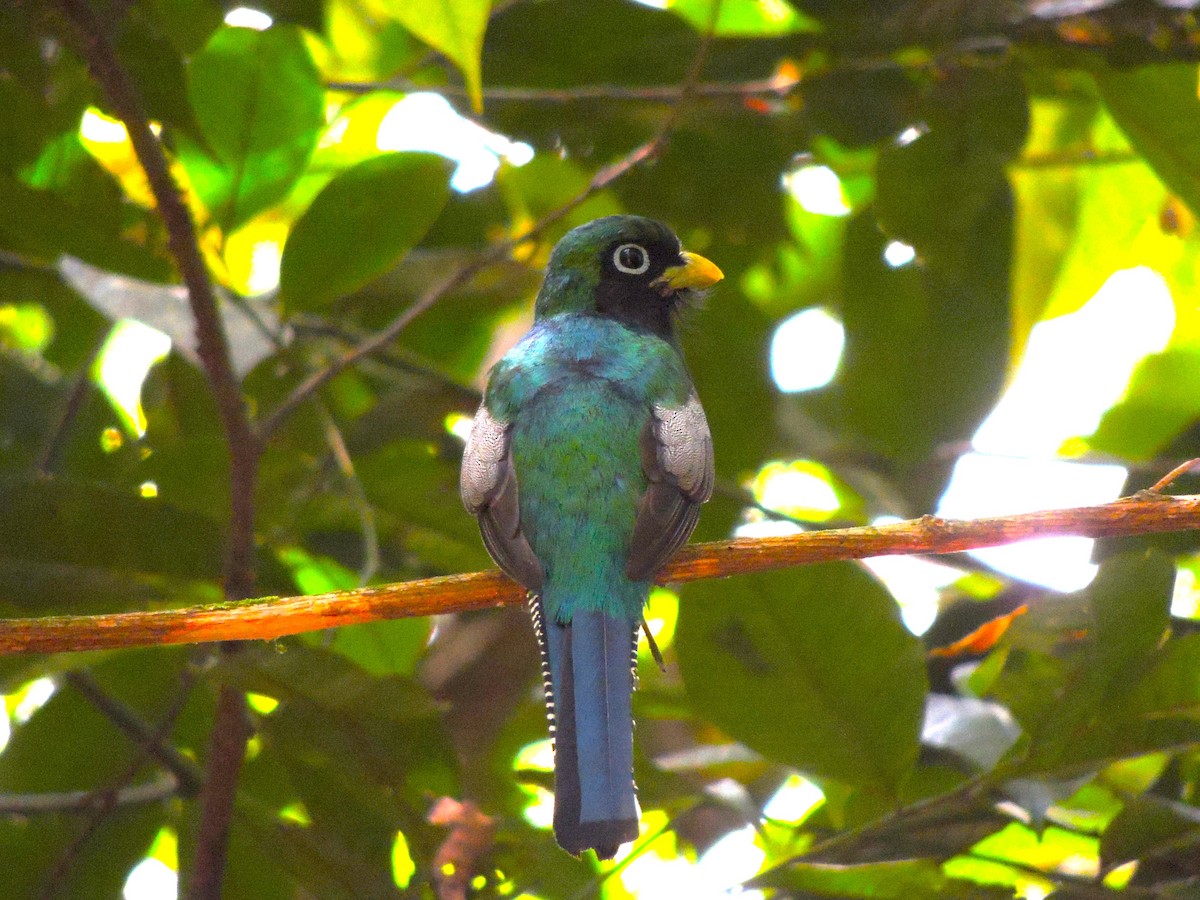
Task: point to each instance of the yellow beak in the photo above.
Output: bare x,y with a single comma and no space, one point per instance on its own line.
696,272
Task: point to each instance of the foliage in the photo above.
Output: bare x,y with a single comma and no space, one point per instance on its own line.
1023,152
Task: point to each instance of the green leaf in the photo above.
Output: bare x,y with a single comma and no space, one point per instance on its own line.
82,524
938,185
1170,687
791,664
42,224
745,18
1131,598
452,27
361,225
1162,400
913,329
879,881
260,105
387,726
1157,108
384,648
1147,825
1084,708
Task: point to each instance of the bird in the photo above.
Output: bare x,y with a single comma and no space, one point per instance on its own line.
586,466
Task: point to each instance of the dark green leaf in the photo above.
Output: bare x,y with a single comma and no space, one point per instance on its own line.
793,665
1146,825
1157,108
938,185
926,324
1131,598
258,99
80,524
361,225
41,225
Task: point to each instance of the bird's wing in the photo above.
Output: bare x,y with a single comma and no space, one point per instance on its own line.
488,484
677,457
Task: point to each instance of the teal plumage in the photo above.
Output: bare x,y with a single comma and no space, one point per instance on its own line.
586,465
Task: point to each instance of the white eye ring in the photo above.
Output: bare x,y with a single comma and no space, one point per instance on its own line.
640,269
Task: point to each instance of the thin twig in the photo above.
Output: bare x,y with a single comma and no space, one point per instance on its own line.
57,436
161,788
105,801
777,85
1165,482
366,512
148,739
273,617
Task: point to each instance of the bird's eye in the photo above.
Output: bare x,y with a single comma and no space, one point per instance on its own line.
631,259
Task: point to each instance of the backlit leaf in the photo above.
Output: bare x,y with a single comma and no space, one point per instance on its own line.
259,102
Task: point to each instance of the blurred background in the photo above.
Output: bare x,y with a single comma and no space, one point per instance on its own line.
961,258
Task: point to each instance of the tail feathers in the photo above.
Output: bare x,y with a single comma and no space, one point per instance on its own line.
591,682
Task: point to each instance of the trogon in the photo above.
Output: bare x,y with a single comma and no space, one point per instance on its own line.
586,466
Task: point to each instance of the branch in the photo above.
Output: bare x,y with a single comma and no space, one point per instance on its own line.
273,617
777,86
91,37
160,788
151,740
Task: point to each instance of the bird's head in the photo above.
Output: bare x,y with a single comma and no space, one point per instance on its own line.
627,268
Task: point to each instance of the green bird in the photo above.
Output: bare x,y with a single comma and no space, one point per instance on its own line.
586,467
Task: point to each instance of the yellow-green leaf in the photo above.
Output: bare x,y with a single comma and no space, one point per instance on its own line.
452,27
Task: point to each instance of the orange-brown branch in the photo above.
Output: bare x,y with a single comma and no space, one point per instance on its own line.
275,617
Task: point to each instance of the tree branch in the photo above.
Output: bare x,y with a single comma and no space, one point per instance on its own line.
776,86
151,740
159,789
272,617
91,37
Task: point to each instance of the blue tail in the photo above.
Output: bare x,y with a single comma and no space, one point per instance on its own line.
590,688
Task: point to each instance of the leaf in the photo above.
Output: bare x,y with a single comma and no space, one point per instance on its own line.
41,224
792,664
911,330
361,225
166,307
1083,709
259,102
1131,598
745,18
83,524
1157,108
879,881
452,27
387,726
933,188
1162,400
1146,826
